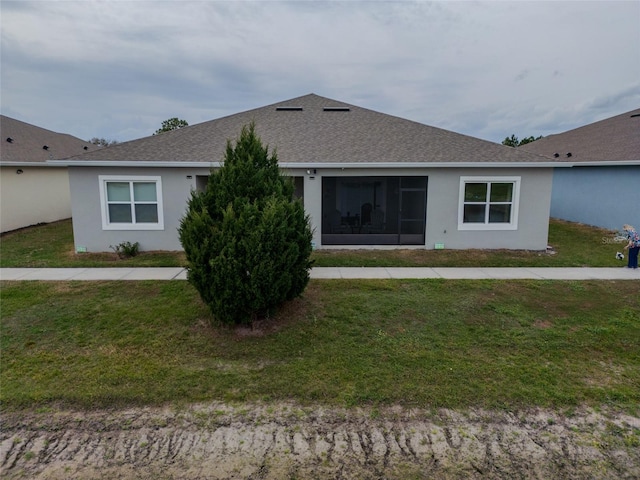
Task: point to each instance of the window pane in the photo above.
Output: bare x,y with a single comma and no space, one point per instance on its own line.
119,213
118,192
501,192
474,213
500,214
144,191
146,213
475,192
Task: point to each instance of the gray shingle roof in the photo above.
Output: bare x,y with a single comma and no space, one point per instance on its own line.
28,142
613,139
315,130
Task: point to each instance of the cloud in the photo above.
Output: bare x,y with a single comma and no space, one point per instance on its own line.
621,99
118,69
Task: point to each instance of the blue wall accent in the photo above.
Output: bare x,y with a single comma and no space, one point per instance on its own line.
606,197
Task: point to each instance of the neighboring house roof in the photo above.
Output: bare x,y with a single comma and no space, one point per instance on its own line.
615,139
22,143
313,131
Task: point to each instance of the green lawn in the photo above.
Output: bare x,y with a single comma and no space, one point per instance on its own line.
431,343
575,245
51,245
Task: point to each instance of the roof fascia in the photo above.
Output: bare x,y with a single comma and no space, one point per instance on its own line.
345,165
607,163
28,164
125,163
424,165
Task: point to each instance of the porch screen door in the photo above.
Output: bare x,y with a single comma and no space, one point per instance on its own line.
413,209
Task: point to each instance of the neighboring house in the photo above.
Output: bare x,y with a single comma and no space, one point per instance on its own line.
367,180
33,191
603,186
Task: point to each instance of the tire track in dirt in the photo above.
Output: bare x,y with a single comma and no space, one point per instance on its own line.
220,441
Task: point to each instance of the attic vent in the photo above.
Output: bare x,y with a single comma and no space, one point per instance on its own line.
85,147
635,115
9,139
569,154
556,155
336,109
288,109
45,147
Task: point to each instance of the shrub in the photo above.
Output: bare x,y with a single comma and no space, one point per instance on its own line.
247,241
126,249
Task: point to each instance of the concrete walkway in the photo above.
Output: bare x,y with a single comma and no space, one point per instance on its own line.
178,273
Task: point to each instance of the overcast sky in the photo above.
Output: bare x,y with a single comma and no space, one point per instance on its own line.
117,69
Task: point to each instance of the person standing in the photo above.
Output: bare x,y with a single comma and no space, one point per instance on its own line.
633,246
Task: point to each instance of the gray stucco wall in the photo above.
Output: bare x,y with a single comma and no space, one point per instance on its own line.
86,209
442,206
533,218
602,196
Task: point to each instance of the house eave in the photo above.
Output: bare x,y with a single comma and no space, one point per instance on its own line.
304,165
357,165
29,164
607,163
132,163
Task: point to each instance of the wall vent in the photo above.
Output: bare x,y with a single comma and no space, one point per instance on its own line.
336,109
288,109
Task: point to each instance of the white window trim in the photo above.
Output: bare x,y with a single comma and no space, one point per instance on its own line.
512,225
106,225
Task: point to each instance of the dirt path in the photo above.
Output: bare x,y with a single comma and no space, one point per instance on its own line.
219,441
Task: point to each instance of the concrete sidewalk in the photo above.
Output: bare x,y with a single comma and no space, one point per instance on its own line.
178,273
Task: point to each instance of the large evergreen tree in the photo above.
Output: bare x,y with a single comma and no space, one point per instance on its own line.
247,241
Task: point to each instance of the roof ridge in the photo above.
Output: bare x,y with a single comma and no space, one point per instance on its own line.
313,135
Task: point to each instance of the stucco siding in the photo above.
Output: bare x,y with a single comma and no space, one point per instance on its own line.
533,211
37,195
601,196
87,215
442,206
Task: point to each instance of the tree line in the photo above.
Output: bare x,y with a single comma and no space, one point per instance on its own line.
174,123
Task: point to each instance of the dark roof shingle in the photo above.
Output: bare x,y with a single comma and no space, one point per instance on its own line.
318,130
613,139
28,142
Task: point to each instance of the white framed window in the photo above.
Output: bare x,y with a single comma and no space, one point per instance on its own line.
488,203
131,202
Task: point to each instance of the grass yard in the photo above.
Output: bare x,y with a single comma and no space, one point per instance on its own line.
51,245
575,245
430,343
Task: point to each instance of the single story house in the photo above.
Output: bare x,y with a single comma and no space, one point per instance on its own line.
33,191
602,186
367,180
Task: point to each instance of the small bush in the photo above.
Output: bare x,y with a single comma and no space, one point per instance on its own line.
126,249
